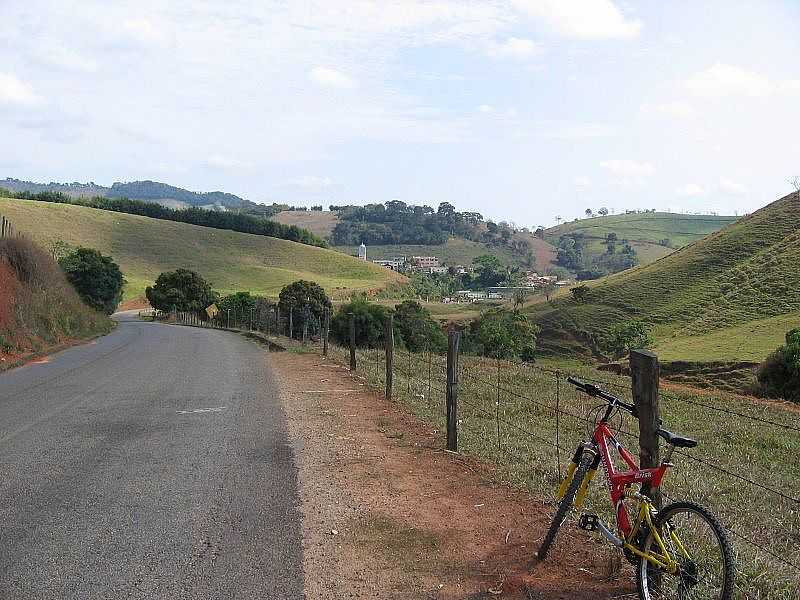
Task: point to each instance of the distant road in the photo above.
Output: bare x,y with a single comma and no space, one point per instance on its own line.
152,463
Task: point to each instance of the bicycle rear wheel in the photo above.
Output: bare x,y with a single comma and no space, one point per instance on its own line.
696,540
566,503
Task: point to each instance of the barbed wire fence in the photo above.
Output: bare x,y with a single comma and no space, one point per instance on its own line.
526,419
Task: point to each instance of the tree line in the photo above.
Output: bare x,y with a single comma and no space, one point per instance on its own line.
241,223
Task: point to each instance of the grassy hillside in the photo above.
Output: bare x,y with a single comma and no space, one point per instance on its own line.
232,261
318,222
458,251
645,231
39,309
746,272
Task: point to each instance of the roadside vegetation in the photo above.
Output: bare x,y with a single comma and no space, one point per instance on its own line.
39,309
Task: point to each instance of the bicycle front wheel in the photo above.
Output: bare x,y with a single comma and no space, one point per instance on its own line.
697,542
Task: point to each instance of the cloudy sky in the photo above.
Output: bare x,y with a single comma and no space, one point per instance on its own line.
520,109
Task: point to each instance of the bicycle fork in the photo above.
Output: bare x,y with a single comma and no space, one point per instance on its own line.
580,496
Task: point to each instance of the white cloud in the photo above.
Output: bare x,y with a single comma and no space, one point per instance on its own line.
486,108
690,190
16,92
676,110
66,58
144,31
590,19
582,183
221,161
731,187
728,80
328,77
515,48
628,171
564,130
310,182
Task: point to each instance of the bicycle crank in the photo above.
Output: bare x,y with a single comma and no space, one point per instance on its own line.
590,522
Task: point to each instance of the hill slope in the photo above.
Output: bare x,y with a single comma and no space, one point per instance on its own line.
318,222
232,261
652,235
746,272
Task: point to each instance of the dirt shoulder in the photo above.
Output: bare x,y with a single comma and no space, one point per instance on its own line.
388,513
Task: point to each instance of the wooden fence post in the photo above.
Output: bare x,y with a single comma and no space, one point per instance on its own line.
453,343
388,340
306,313
291,322
644,383
326,325
352,342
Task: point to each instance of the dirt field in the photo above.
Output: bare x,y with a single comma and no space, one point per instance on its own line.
388,513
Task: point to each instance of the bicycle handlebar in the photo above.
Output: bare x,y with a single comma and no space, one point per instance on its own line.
595,392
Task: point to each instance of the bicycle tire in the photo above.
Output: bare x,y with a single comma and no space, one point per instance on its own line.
565,504
726,551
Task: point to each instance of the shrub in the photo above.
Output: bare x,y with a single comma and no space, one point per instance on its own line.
370,321
779,375
626,336
501,333
183,290
97,278
417,329
306,299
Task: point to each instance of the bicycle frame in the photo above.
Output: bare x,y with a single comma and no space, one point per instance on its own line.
619,483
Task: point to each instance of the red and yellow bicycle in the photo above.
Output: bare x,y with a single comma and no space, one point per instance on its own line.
680,552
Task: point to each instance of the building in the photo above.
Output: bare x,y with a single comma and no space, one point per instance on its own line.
395,264
424,262
362,252
436,270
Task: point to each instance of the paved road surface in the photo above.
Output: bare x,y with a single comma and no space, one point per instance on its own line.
112,486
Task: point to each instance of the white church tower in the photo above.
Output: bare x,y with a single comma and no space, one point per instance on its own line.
362,252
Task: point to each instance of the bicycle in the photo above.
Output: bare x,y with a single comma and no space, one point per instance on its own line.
680,551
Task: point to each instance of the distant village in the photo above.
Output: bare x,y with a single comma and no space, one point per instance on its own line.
431,265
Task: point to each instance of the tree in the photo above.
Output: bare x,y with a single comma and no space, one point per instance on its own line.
502,333
588,212
580,293
239,304
519,298
97,278
370,321
603,211
417,329
549,289
306,299
183,290
779,375
489,270
627,336
795,183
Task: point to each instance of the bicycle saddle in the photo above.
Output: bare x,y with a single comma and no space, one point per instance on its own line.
676,440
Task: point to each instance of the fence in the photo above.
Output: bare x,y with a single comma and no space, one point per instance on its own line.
527,420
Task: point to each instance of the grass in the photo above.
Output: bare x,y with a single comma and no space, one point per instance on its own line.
646,227
231,261
750,341
507,415
320,223
457,251
744,273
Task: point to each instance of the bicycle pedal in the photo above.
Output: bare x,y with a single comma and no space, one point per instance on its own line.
588,522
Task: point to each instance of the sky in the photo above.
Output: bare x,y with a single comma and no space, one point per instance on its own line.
523,110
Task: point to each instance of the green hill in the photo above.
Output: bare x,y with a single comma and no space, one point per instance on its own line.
652,235
232,261
746,272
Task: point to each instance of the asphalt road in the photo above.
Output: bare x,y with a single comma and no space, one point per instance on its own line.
115,482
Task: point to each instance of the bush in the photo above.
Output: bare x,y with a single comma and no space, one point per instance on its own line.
182,290
370,322
417,330
306,299
501,333
627,336
779,375
97,278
